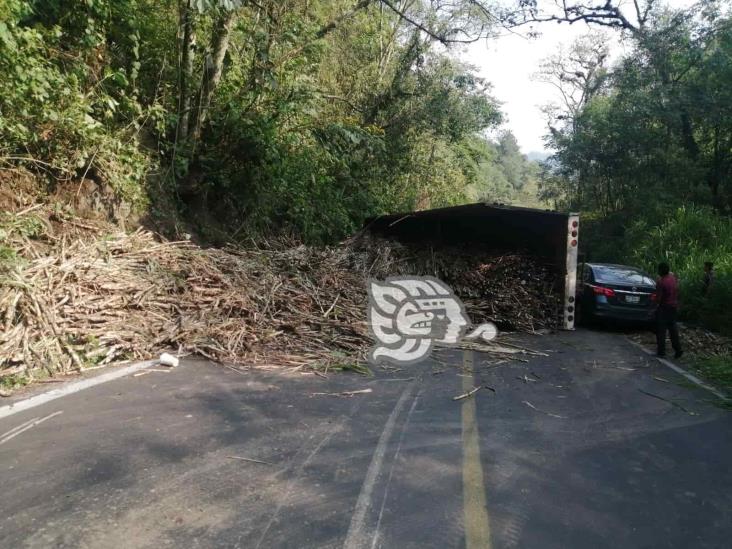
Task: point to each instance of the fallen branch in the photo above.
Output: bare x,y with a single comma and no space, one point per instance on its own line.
543,411
468,394
240,458
344,393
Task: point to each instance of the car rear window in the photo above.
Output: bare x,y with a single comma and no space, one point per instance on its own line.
621,275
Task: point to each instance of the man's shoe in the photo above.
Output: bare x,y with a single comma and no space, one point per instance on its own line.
678,354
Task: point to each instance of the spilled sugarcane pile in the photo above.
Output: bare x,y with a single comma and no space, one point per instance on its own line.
72,297
515,291
697,341
79,294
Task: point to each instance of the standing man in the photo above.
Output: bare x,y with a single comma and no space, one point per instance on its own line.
667,291
708,277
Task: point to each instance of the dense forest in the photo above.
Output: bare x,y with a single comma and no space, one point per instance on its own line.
244,117
231,119
644,146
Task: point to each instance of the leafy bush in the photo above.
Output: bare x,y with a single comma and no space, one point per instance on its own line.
688,237
59,111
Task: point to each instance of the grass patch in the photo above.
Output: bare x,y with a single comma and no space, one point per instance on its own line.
354,367
10,383
13,225
8,258
716,369
341,364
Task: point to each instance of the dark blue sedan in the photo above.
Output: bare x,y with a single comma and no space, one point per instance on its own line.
617,292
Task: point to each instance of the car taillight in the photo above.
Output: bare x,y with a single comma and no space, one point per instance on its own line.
654,297
601,290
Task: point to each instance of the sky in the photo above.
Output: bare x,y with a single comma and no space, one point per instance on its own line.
510,61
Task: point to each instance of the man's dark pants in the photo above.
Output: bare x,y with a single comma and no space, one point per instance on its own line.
666,320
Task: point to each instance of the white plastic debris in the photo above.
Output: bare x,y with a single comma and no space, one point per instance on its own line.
168,360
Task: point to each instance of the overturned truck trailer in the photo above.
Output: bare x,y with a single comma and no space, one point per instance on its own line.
549,236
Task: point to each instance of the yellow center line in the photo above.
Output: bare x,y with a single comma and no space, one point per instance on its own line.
477,525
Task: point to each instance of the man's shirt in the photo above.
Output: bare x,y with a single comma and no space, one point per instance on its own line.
668,290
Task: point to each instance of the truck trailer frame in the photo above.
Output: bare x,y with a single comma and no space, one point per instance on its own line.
549,235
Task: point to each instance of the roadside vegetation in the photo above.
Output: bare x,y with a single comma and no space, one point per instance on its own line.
717,370
644,148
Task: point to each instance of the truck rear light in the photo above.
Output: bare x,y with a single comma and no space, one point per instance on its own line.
601,290
570,274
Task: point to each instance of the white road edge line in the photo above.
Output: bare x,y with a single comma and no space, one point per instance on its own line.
75,387
17,427
32,424
375,540
356,538
680,370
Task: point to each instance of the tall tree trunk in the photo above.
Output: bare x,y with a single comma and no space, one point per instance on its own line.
687,134
188,43
714,175
212,71
410,54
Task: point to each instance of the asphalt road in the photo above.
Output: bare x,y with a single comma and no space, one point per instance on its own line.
565,450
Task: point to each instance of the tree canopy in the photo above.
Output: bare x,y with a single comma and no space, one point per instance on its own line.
652,129
297,115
